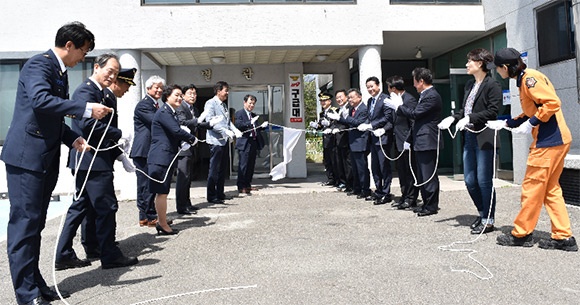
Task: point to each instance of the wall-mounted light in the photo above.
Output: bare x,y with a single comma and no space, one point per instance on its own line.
248,73
218,59
206,74
419,54
321,57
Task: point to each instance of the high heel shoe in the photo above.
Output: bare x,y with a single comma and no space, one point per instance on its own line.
161,231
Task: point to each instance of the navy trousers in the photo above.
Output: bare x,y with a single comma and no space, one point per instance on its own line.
247,164
425,168
218,168
183,183
29,198
381,168
145,199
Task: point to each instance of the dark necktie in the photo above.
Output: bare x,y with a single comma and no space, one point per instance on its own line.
353,111
156,105
372,105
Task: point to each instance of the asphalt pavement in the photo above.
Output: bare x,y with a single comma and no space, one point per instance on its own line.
297,242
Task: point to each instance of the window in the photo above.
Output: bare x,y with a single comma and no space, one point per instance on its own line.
460,2
9,74
555,32
164,2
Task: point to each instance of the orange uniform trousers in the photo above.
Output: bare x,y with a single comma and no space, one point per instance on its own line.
541,186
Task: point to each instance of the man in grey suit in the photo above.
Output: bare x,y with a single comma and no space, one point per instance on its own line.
218,139
424,136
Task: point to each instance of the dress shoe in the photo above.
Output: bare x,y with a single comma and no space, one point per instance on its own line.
407,205
93,255
352,193
397,203
417,209
226,197
122,261
216,201
186,212
475,223
38,301
71,263
379,201
51,295
425,212
161,231
193,208
143,223
482,228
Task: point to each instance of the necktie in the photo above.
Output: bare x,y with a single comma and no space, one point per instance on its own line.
253,127
353,111
372,105
156,105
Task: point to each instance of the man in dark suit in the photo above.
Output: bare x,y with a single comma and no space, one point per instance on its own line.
249,144
95,191
403,125
424,137
32,153
380,117
117,89
143,116
187,116
343,168
358,141
328,141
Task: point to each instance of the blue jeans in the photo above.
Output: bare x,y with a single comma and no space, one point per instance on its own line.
478,174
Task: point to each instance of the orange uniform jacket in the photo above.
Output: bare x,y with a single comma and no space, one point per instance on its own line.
542,107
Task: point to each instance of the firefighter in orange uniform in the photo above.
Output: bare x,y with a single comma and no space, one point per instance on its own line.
542,117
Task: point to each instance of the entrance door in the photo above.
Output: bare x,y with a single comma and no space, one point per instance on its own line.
269,106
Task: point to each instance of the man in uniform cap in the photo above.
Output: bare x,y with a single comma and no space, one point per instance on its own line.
328,141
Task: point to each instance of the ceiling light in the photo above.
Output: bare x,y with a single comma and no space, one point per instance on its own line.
218,59
321,57
419,54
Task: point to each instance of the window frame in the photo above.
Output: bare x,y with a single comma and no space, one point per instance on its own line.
571,44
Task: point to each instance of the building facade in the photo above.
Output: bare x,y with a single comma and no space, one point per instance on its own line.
266,47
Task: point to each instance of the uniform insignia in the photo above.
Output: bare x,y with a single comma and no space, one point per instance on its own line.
88,83
531,82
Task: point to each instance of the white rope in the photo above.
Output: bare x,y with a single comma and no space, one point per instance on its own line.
194,292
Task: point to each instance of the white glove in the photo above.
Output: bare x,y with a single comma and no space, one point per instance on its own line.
327,131
264,125
125,141
185,146
325,122
237,133
335,131
229,133
333,115
254,119
524,128
461,123
394,102
364,127
406,146
127,164
185,129
496,125
313,125
379,132
213,121
446,122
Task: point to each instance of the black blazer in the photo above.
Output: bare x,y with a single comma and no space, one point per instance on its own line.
485,108
189,119
38,127
382,117
427,115
143,117
88,91
341,138
404,124
243,123
166,137
358,140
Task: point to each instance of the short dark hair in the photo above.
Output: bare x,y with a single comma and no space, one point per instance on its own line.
341,90
354,90
423,74
482,55
395,81
102,59
249,96
167,90
219,86
374,79
75,32
187,87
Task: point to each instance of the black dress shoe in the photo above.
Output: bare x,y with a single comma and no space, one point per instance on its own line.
193,208
371,197
161,231
397,203
226,197
38,301
352,193
476,223
123,261
425,212
379,201
216,201
72,263
93,255
407,206
185,212
51,295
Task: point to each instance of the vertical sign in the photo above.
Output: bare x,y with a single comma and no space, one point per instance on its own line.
296,104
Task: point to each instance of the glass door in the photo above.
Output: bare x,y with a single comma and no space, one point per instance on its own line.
269,106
